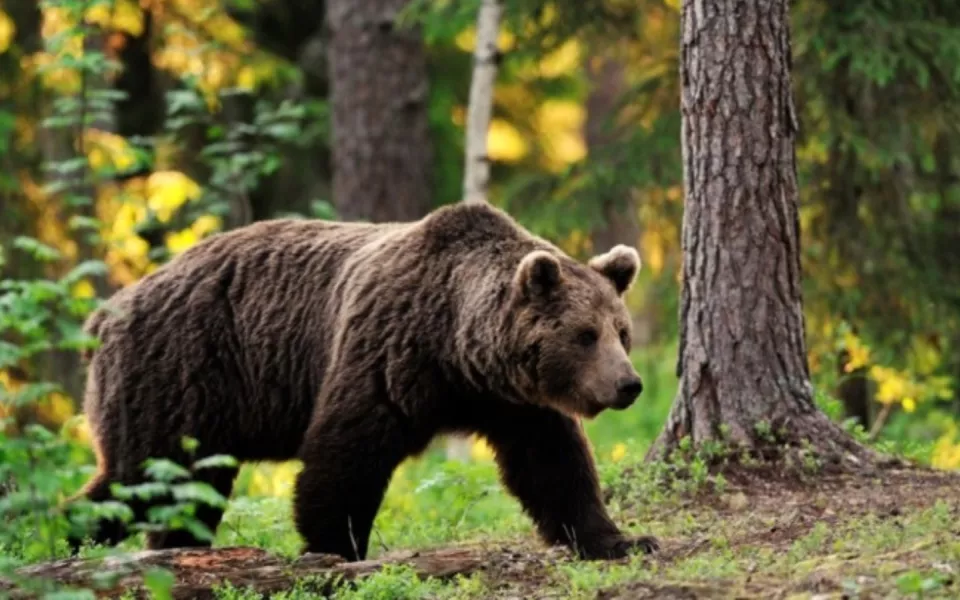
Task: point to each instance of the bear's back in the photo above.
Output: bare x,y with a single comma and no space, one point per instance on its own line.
231,335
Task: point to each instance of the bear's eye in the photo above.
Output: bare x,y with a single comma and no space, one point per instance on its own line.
624,338
587,338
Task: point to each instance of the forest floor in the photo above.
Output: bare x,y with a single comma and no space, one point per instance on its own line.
897,536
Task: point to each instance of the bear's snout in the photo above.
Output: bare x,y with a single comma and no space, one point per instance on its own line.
628,389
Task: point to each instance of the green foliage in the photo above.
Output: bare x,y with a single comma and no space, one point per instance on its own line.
35,468
878,96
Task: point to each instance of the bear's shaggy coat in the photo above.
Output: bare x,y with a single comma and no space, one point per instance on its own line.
350,346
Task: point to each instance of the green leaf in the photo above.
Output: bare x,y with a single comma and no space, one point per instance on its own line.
189,444
36,248
143,491
159,582
198,491
162,469
88,268
69,166
30,393
215,461
78,222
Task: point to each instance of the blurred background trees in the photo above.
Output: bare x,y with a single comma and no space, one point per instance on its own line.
130,129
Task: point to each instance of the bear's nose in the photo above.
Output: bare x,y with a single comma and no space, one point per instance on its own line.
627,391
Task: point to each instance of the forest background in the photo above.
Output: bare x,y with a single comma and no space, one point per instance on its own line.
129,130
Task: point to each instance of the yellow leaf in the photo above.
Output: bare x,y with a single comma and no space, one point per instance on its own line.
560,125
909,405
858,353
8,383
466,40
946,452
108,150
504,142
77,429
562,60
167,190
654,251
83,289
119,15
205,224
619,451
55,408
247,78
480,450
178,241
7,31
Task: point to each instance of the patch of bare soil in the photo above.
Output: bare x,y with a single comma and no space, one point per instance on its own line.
772,510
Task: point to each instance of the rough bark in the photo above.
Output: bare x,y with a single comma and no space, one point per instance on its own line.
382,151
197,571
743,358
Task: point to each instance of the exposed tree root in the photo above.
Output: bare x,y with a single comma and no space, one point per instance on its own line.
806,439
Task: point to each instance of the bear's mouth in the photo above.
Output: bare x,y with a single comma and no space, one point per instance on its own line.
579,407
592,409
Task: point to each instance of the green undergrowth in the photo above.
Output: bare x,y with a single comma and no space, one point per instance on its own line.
720,537
851,541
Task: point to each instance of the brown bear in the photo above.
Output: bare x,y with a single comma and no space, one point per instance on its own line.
350,346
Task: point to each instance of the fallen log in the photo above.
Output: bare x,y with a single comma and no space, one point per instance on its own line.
197,572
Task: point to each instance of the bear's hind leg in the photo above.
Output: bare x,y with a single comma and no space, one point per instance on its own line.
108,532
545,462
221,479
349,456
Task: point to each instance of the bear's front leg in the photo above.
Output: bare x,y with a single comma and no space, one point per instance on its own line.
545,462
349,454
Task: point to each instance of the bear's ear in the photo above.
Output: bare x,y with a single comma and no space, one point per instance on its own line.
538,273
620,265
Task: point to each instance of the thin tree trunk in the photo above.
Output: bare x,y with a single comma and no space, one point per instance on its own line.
476,176
382,153
476,172
743,360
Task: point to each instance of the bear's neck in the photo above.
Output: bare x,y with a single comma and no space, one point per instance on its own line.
485,338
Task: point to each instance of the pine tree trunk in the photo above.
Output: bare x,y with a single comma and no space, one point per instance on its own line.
742,363
382,152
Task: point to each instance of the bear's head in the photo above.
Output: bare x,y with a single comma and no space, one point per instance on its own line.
575,330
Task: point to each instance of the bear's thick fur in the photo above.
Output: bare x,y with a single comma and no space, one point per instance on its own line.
350,346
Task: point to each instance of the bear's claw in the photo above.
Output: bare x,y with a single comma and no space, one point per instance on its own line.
648,544
619,548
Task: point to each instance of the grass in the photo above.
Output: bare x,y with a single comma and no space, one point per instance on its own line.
742,537
863,538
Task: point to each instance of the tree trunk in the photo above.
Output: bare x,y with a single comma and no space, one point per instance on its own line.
382,151
476,174
743,361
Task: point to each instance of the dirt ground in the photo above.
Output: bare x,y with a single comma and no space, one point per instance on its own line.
771,517
763,536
